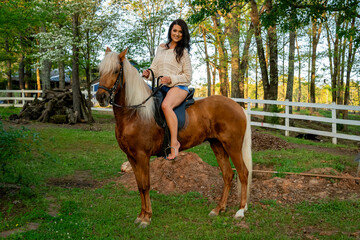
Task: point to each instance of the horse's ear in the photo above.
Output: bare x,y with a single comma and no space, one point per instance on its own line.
107,50
122,55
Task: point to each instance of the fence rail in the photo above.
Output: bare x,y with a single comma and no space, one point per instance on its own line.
287,116
20,99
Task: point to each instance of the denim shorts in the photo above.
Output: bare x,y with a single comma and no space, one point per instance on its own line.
166,88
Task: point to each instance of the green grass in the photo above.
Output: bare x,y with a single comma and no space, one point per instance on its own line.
108,211
280,134
5,112
300,160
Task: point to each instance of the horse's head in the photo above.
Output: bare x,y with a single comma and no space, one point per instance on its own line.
111,76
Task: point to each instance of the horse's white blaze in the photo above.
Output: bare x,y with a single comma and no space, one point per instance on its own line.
241,212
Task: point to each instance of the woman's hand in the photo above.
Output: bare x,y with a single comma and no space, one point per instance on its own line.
165,80
146,73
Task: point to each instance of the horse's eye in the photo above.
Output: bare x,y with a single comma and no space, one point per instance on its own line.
116,72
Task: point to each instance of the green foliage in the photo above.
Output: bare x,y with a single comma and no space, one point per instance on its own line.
5,112
209,8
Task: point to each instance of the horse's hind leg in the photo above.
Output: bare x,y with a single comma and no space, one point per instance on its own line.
223,160
243,173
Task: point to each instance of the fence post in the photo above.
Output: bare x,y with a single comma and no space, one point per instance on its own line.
249,108
287,112
23,97
333,117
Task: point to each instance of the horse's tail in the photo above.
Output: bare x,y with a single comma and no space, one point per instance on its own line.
246,152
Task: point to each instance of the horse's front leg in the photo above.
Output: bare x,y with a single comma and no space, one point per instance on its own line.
141,168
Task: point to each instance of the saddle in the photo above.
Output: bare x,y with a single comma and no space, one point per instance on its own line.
159,96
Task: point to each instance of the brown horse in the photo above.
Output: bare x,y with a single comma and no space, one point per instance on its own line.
216,119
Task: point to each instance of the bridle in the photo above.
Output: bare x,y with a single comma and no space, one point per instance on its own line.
120,80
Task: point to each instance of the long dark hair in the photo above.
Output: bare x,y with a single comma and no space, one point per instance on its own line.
185,41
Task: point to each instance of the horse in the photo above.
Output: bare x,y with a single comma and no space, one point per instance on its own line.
216,119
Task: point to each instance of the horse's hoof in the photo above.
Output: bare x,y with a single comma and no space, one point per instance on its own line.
137,220
213,214
241,213
144,224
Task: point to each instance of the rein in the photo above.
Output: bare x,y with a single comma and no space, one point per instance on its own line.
120,80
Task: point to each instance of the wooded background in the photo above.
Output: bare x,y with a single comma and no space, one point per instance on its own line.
306,51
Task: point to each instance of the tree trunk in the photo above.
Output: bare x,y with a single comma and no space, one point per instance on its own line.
255,19
350,60
234,41
223,73
45,69
342,72
283,67
309,69
27,74
299,73
290,81
336,63
214,72
21,72
61,74
330,54
45,75
38,81
75,67
245,57
256,81
88,79
273,86
208,76
316,31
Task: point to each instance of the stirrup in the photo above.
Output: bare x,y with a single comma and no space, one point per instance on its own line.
166,156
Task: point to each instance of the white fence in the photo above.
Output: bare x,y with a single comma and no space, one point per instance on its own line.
20,99
287,116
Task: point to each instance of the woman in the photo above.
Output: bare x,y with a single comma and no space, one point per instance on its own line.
172,62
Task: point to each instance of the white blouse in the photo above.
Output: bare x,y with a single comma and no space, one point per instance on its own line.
165,64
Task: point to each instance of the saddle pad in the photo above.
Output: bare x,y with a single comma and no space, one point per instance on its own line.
179,110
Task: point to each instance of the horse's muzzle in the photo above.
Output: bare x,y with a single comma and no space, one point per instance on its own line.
103,98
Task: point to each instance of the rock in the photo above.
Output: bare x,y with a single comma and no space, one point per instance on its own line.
126,167
13,117
313,182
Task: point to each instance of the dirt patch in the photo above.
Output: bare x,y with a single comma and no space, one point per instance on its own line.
80,179
190,174
263,141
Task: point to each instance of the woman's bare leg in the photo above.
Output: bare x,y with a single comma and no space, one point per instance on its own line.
174,98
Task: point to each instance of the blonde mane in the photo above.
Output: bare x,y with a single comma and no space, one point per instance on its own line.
136,90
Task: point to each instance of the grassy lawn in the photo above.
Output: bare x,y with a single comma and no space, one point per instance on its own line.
107,211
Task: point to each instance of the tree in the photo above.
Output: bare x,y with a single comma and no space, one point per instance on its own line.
16,21
315,33
270,86
146,23
290,81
